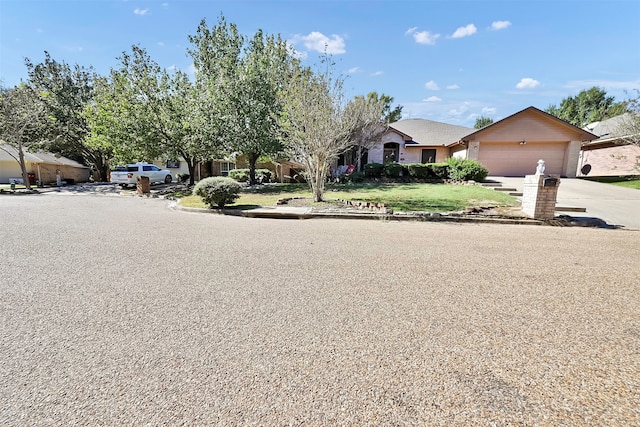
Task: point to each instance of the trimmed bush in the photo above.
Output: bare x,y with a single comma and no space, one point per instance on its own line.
466,169
419,170
392,170
217,191
242,175
373,170
354,177
439,170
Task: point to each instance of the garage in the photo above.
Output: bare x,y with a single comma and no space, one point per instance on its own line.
512,146
518,159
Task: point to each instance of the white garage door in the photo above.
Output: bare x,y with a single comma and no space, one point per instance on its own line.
514,159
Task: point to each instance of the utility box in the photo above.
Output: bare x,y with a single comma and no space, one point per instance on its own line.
539,196
143,185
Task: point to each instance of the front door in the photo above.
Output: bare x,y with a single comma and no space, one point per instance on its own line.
391,152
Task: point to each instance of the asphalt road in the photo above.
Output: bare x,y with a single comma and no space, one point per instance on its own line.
120,311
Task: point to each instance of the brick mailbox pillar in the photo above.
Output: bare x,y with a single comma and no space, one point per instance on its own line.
539,196
143,185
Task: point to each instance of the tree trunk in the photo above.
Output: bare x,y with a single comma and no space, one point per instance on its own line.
191,165
23,167
253,159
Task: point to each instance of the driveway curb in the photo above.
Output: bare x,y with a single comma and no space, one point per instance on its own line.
305,213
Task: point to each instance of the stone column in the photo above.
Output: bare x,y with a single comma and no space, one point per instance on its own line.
539,196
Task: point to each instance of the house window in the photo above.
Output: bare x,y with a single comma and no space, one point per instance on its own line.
225,167
173,164
391,152
428,155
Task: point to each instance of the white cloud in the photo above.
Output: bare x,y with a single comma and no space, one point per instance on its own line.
459,110
161,44
165,5
410,31
192,70
432,99
431,85
377,73
453,87
353,70
488,110
39,30
527,83
317,41
425,37
500,25
140,12
465,31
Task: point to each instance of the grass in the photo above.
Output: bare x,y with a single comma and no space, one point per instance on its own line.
627,182
400,197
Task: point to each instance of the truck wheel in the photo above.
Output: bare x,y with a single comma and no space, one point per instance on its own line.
168,179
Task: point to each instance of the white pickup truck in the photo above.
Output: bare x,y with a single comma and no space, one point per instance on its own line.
128,175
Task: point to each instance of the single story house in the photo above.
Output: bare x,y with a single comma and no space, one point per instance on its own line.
509,147
42,166
613,153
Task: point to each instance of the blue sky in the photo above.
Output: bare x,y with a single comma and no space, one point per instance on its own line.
448,61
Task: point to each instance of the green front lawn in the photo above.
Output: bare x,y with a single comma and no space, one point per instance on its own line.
628,182
400,197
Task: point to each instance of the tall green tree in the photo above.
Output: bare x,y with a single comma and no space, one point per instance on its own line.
65,91
22,115
242,79
588,106
389,115
482,121
146,112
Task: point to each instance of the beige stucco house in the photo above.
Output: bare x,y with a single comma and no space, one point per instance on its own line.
509,147
613,153
41,165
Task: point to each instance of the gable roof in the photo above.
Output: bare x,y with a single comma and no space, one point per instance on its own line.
428,132
585,135
611,129
8,151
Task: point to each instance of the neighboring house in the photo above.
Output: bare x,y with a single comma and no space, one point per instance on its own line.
509,147
613,153
42,166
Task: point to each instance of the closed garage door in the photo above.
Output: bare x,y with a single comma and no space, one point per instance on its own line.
514,159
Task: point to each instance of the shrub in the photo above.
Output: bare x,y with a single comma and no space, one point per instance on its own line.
466,169
355,177
419,170
217,191
242,175
392,170
373,170
439,170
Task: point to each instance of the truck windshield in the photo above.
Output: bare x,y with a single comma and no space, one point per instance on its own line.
132,168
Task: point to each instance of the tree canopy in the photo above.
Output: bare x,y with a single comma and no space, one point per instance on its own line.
590,105
482,121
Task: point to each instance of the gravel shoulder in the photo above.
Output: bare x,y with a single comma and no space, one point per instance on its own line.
121,311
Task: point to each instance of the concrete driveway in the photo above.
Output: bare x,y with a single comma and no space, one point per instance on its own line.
611,203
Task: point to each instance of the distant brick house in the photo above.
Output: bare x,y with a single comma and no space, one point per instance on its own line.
612,153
